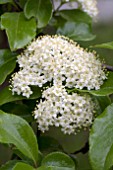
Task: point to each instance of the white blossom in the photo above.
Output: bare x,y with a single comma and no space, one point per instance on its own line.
71,112
88,6
59,60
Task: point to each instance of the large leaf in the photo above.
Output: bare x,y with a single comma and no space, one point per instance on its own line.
17,131
22,166
6,95
69,143
101,140
7,64
75,15
58,161
40,9
76,31
20,31
108,45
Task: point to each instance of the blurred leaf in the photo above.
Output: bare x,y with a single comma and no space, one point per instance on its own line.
48,144
20,31
9,165
108,45
6,95
22,166
17,131
76,31
22,3
75,15
101,140
6,1
83,161
40,9
18,109
5,153
7,63
69,143
103,101
57,161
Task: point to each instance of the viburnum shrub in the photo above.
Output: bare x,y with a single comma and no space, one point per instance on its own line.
55,95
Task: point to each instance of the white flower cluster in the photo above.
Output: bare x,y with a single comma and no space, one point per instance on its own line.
88,6
64,64
70,112
57,59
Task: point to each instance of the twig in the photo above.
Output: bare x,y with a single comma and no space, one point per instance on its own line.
109,68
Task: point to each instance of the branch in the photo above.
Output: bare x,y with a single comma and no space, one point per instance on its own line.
109,68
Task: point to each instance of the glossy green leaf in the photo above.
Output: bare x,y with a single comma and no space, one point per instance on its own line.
9,165
75,15
20,31
6,1
6,95
40,9
17,131
60,160
7,64
101,140
76,31
108,45
22,166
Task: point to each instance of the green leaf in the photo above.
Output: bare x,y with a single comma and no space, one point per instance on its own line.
6,95
83,161
76,31
6,1
40,9
18,109
101,140
103,101
7,64
75,15
53,168
58,160
9,165
69,143
48,144
22,3
17,131
20,31
108,45
109,159
23,166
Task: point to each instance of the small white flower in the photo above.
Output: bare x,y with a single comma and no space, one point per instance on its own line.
60,109
57,59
